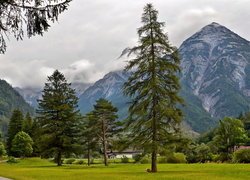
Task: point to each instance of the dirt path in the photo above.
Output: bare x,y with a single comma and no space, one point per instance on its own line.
2,178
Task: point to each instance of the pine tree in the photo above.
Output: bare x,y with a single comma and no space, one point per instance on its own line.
35,14
153,87
14,127
90,135
27,124
105,116
58,118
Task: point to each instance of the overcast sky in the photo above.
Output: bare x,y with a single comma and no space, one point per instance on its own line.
90,36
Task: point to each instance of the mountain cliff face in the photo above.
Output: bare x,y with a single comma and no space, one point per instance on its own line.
216,68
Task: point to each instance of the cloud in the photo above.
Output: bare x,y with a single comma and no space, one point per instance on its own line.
89,37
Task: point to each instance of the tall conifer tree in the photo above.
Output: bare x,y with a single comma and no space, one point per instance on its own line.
58,118
153,87
14,127
105,116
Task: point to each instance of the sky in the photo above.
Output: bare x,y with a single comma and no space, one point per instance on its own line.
88,38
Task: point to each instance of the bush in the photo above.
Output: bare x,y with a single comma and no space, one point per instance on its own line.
69,161
177,158
137,157
11,159
22,144
242,156
124,159
80,161
162,160
145,160
2,150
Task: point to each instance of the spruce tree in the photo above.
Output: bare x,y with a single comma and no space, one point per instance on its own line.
153,87
27,124
105,116
14,127
58,118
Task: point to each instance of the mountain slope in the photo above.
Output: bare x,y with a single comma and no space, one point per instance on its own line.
215,68
109,87
10,99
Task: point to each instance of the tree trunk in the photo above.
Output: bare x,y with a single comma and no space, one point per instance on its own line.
59,158
88,156
154,162
104,143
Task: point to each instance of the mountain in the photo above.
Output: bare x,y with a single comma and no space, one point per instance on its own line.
10,99
31,95
215,79
216,69
109,87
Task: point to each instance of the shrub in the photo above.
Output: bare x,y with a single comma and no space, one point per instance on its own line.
177,158
22,144
124,159
162,160
2,150
80,161
242,156
145,160
11,159
137,157
69,161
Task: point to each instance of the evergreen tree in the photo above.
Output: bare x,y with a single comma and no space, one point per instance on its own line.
105,121
27,124
36,14
58,118
14,127
22,145
89,134
153,87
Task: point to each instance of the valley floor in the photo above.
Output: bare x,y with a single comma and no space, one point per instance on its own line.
37,169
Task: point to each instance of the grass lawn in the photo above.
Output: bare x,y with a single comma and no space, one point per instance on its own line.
35,168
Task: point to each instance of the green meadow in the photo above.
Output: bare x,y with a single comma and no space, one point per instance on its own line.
37,169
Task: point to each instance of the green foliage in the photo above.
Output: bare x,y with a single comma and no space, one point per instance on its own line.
2,149
229,134
124,159
35,14
177,158
27,124
15,126
79,161
22,145
203,153
105,117
69,161
145,160
58,118
242,156
137,157
153,86
11,159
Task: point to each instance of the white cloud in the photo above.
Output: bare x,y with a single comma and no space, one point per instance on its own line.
89,37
